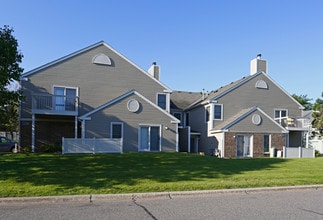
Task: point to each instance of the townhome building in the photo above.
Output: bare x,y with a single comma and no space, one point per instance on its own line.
98,94
246,118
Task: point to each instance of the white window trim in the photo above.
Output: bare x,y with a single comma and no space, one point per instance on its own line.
111,129
263,144
250,146
207,120
66,87
280,109
280,118
167,100
213,108
139,136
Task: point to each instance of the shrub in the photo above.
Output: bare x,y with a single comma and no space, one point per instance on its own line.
51,148
317,153
26,150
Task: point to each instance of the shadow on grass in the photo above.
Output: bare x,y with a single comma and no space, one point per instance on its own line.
110,171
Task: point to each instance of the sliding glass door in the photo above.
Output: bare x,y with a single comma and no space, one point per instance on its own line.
149,138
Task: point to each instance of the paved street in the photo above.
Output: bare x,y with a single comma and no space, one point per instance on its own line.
282,204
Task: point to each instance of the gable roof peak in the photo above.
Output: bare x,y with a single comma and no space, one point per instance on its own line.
28,73
100,43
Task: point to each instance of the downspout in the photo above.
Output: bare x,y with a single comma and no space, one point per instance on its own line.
177,138
287,139
75,127
189,139
307,136
223,147
83,129
33,133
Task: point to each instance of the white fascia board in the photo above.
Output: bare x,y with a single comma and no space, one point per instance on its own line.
86,49
236,86
61,59
173,118
284,91
284,130
107,104
253,109
216,131
132,63
85,118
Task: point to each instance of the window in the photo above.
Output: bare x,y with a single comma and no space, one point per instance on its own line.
266,143
101,59
280,115
207,114
261,84
161,101
116,130
4,140
178,115
218,112
65,98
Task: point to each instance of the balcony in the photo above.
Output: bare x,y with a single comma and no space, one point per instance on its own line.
54,104
294,124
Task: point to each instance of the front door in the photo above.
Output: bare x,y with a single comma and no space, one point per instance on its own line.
243,145
149,138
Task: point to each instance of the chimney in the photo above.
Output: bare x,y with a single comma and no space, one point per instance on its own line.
258,65
154,70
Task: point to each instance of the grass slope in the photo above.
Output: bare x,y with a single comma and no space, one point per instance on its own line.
47,175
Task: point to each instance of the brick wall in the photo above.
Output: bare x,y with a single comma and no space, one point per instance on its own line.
230,151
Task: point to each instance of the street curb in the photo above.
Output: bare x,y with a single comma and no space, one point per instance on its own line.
151,195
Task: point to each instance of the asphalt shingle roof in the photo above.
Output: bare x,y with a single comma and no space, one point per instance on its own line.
182,100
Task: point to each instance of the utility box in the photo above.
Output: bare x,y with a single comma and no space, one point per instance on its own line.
272,152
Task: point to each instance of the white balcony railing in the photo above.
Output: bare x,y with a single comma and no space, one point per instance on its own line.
294,123
54,104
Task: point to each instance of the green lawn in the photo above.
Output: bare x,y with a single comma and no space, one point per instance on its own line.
47,175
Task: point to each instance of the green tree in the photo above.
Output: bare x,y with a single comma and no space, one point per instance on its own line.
318,115
10,72
9,118
304,101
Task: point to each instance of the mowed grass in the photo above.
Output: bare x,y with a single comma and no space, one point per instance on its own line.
49,175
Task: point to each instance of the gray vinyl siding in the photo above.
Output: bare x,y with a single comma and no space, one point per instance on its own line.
268,100
97,83
198,124
246,125
99,125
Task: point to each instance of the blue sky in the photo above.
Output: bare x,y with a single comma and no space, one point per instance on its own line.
197,44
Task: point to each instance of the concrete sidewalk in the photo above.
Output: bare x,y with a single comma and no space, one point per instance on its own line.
150,195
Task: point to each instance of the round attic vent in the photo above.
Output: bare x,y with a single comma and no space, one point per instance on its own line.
256,119
133,105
